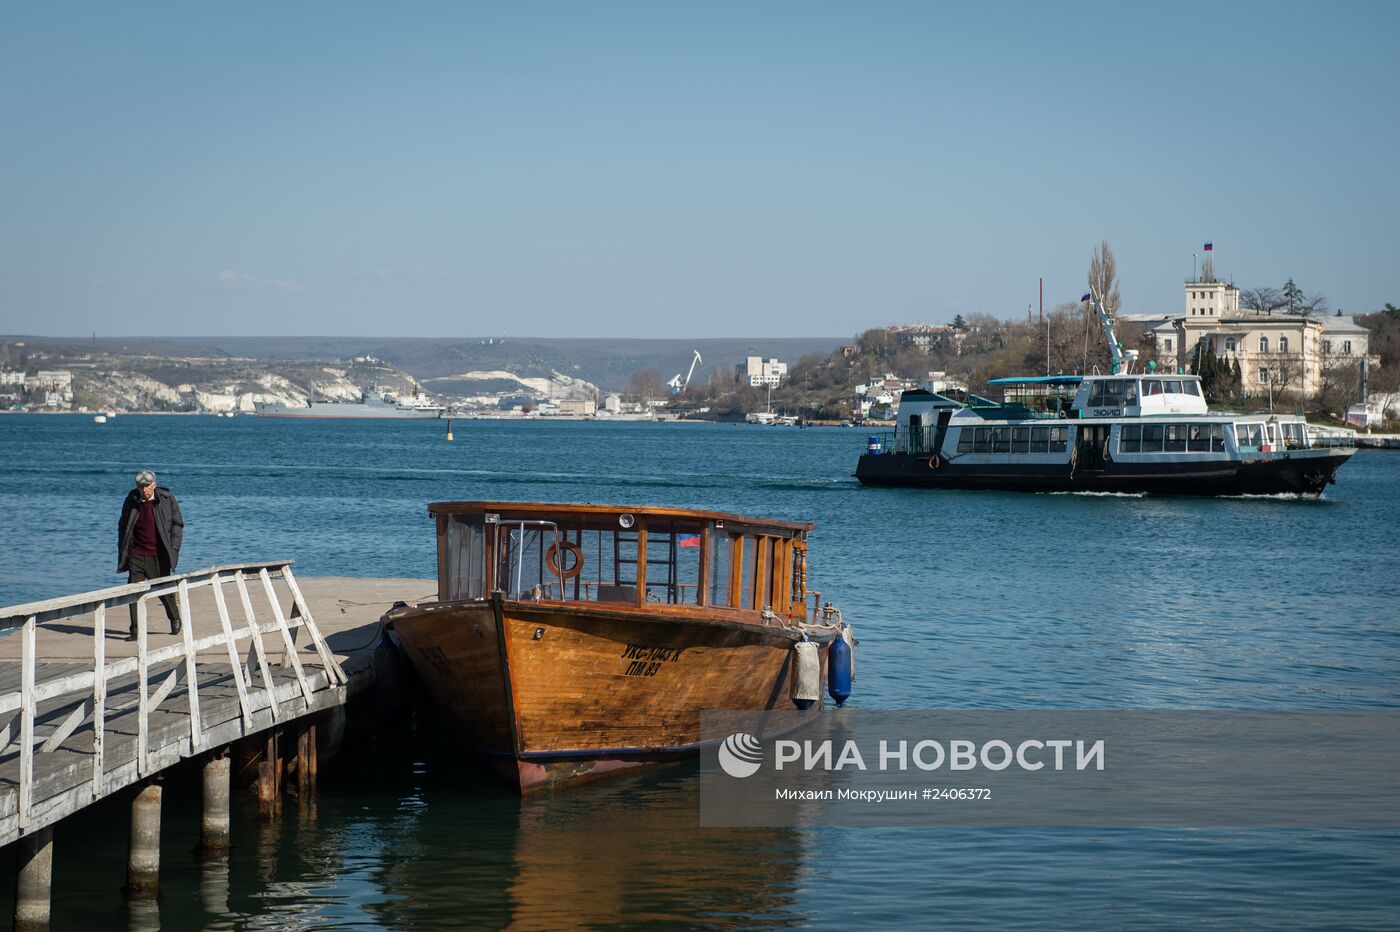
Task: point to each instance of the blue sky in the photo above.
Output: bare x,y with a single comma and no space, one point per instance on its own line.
670,169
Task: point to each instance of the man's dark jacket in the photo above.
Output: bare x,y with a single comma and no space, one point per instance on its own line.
170,528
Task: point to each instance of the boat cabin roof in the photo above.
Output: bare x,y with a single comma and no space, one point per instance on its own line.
1038,380
586,513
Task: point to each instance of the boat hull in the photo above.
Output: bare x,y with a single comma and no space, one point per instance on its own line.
1300,472
556,693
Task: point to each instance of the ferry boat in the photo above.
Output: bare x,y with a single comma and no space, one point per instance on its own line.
1123,432
568,642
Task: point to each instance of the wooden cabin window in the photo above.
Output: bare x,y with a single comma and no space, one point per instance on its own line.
465,571
721,556
761,573
673,570
746,559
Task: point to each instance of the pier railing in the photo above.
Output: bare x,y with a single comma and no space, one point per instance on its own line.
73,700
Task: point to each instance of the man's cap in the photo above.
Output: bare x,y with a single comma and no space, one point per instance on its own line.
145,477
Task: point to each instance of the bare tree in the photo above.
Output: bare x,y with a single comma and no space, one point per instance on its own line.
1103,283
1103,277
648,384
1263,298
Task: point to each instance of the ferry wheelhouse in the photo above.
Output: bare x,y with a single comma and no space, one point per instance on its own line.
567,642
1131,433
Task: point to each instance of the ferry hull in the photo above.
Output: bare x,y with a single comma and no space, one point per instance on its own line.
1302,472
556,693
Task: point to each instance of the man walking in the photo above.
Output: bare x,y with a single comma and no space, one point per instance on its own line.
149,534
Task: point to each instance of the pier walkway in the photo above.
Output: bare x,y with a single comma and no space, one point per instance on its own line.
86,713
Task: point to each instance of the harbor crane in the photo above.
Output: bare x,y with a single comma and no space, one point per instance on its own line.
678,384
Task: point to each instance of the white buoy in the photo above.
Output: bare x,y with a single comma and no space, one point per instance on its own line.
100,419
806,673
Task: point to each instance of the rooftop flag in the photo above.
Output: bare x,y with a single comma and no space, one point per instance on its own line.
1209,246
1086,297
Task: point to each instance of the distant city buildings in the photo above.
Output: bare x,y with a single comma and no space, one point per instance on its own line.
755,370
928,337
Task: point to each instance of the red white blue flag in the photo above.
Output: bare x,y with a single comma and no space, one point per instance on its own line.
1086,297
1209,246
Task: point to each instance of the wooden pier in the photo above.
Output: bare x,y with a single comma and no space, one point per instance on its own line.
86,713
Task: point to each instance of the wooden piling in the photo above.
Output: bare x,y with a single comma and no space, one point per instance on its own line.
214,822
143,855
34,881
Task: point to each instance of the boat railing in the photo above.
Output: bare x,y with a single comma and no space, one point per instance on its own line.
1335,437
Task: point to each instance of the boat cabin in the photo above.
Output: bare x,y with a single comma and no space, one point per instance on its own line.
647,557
1139,396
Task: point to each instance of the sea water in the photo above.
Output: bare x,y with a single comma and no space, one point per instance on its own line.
960,600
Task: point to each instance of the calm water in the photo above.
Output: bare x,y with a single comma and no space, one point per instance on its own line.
960,600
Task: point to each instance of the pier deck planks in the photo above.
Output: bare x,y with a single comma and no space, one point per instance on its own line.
346,610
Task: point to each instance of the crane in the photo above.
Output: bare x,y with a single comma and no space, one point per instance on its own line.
679,384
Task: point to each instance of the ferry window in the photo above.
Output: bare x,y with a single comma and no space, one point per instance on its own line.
964,440
1217,438
1192,387
1020,440
1263,344
1272,431
1176,438
1152,438
1130,439
1040,439
983,441
1001,440
1057,439
1115,393
1283,344
1198,438
1096,395
1153,387
1292,435
1172,388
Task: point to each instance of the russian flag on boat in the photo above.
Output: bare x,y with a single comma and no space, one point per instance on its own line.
688,540
1086,297
1209,247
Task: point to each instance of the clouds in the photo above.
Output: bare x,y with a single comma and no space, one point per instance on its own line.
232,280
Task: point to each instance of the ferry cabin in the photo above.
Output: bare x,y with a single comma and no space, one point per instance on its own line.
1147,418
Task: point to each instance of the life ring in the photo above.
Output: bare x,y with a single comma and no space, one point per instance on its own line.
552,555
934,462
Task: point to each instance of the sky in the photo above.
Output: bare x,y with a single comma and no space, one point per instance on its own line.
702,169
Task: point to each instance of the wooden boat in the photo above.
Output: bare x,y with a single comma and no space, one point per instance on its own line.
571,641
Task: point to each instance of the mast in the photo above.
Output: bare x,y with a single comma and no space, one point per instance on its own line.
1115,349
